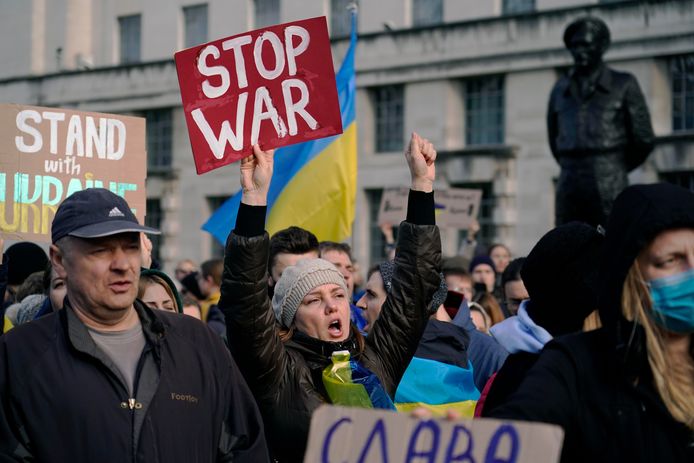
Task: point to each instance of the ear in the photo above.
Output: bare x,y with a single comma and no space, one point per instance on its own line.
270,281
58,261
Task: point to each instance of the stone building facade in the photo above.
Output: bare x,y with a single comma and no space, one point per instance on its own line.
472,76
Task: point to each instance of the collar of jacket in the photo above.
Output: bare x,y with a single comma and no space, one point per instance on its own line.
152,327
603,79
325,349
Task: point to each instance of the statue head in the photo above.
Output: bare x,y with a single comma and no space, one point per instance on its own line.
587,39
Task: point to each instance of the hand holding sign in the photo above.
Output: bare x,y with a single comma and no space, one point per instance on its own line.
420,155
256,174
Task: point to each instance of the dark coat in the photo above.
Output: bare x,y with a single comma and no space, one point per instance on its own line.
285,378
599,385
581,383
597,139
64,400
508,379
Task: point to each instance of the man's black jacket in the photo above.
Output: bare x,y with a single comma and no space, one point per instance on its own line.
63,400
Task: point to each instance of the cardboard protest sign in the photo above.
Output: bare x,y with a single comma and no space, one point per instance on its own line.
393,208
378,436
459,207
273,86
455,207
46,154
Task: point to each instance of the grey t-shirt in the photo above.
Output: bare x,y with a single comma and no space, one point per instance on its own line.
124,348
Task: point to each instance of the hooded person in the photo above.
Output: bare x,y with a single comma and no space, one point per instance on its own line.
624,392
559,302
169,299
18,262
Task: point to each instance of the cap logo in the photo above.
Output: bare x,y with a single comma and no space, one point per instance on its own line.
115,212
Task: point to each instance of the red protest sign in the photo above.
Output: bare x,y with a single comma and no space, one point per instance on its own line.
272,86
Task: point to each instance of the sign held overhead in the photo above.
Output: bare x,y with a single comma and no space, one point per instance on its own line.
455,207
273,86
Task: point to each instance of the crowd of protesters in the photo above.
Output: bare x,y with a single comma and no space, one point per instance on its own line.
105,357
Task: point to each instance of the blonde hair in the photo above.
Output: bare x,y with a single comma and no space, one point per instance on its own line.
674,381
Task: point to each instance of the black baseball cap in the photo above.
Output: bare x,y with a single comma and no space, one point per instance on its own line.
93,213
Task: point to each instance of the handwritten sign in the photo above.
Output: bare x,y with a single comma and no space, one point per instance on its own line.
348,435
393,209
46,154
272,86
455,207
459,206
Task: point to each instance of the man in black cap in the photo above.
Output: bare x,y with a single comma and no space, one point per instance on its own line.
110,380
598,126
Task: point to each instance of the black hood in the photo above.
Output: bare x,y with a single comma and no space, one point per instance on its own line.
561,276
639,213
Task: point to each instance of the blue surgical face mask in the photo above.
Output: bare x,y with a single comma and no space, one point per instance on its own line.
673,301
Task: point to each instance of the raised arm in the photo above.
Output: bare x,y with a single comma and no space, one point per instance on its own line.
404,315
251,326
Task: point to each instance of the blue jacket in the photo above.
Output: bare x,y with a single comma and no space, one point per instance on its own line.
485,353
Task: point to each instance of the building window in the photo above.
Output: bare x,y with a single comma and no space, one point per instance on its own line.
685,179
427,12
159,136
195,22
267,12
487,234
377,250
682,71
340,17
389,107
214,203
518,6
484,110
154,219
130,37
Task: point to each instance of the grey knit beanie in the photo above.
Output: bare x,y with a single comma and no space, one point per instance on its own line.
297,281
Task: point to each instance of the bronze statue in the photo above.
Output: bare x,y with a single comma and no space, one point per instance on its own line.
599,127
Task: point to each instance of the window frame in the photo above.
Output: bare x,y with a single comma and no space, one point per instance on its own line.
130,43
682,92
420,8
159,158
190,14
485,112
269,13
389,129
511,7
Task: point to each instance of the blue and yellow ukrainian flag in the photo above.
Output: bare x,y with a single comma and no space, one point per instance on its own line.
314,184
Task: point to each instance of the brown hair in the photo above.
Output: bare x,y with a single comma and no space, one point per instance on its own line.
491,306
213,268
148,280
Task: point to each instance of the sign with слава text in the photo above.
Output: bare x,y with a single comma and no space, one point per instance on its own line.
351,435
